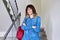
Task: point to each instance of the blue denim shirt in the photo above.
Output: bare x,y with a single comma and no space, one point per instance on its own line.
29,32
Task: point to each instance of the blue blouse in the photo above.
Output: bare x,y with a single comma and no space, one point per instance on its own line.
29,32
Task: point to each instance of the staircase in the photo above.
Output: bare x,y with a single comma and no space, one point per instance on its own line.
43,35
10,34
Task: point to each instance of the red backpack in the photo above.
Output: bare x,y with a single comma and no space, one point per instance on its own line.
19,33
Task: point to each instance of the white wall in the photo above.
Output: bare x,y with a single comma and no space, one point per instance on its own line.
46,20
51,19
55,17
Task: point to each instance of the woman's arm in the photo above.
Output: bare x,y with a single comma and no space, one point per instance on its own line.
37,27
24,25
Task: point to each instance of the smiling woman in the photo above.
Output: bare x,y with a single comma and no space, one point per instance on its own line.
31,24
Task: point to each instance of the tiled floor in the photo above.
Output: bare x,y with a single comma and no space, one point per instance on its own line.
42,36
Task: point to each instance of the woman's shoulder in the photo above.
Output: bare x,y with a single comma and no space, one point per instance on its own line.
38,17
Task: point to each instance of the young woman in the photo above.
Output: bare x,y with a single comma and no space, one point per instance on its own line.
31,24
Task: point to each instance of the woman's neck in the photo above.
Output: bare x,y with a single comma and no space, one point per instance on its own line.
31,16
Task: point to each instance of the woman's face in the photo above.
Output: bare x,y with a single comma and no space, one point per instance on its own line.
29,11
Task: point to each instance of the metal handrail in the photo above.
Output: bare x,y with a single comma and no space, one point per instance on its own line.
8,10
13,20
10,27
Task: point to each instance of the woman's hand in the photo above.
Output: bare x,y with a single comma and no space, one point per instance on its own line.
24,24
33,26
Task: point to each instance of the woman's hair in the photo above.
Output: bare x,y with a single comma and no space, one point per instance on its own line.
33,10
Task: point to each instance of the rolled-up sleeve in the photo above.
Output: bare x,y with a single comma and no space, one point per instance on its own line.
37,29
23,26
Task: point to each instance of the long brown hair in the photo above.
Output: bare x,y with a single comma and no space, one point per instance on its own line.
33,10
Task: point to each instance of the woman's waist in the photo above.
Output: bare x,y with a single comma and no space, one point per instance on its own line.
30,31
